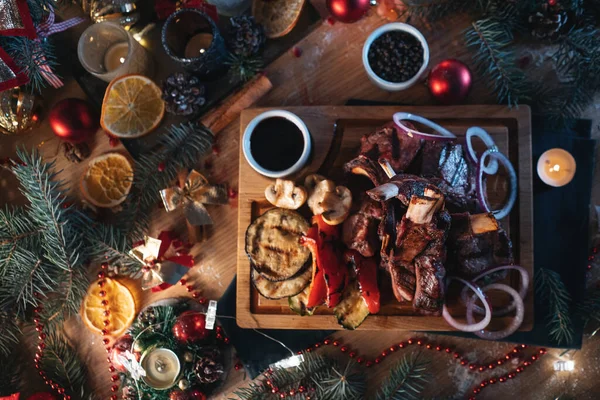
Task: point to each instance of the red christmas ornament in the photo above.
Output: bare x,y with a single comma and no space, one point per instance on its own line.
450,81
122,345
178,394
190,327
41,396
196,394
348,11
73,120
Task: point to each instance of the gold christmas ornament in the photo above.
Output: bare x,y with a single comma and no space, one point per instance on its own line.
188,357
20,111
184,384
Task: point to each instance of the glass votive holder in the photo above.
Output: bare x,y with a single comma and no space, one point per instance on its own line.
108,51
191,38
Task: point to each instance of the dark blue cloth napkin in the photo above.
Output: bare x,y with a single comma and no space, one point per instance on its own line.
560,244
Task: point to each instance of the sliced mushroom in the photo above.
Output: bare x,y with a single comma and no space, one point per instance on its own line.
325,199
285,194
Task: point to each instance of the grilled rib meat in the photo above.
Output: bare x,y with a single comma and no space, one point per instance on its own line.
390,143
360,229
362,165
403,187
477,243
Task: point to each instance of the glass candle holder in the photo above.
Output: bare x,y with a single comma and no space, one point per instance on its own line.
108,51
192,39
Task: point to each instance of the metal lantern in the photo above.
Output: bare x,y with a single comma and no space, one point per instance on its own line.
20,111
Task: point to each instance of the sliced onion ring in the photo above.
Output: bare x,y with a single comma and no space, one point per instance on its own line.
481,195
470,327
476,131
514,324
505,310
443,133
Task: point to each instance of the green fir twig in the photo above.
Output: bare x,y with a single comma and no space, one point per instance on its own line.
406,380
550,287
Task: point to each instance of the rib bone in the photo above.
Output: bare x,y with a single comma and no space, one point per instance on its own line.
422,209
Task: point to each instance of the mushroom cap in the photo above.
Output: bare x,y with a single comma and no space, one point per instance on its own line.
285,194
341,209
322,196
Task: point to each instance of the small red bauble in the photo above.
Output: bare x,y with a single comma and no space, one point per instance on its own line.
73,120
196,394
41,396
450,81
178,394
190,327
122,345
348,11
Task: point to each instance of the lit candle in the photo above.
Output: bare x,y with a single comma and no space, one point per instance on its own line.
162,368
115,56
556,167
197,45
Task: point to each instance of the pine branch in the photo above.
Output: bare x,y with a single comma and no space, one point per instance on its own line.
406,380
61,363
490,39
589,309
9,333
10,372
244,68
550,287
342,384
182,147
111,244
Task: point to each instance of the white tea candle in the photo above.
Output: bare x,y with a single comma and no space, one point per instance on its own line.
162,368
556,167
115,56
197,45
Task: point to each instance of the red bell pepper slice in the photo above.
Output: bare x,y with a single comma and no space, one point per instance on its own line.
366,273
318,287
329,260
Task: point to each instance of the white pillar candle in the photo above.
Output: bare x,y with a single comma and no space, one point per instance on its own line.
115,56
162,368
197,45
556,167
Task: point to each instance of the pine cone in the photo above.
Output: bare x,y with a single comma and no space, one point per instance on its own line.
549,22
209,367
183,94
75,152
147,317
129,392
247,37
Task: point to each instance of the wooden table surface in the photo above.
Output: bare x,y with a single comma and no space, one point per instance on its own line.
329,72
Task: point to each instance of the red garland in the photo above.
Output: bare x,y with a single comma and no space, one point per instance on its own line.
164,8
28,29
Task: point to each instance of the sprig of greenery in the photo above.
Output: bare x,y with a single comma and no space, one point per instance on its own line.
550,287
407,379
345,383
244,68
9,333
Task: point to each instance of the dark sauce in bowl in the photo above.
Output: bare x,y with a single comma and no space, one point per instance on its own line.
276,144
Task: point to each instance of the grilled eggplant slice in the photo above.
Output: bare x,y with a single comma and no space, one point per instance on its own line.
272,244
352,310
298,303
279,290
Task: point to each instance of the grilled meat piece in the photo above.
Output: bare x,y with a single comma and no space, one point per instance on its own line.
363,165
477,243
360,229
403,187
390,143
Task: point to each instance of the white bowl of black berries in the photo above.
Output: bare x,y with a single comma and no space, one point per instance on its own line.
395,56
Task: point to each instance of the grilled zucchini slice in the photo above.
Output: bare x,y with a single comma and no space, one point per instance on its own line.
272,244
352,310
279,290
298,302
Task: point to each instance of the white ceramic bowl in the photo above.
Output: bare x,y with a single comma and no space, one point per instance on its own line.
394,86
248,136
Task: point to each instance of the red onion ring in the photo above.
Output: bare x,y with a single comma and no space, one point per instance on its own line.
502,311
444,134
516,321
470,327
476,131
504,211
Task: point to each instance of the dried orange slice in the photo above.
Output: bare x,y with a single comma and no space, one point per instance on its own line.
278,17
107,181
120,305
132,106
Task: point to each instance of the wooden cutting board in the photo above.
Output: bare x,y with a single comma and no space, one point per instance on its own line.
336,132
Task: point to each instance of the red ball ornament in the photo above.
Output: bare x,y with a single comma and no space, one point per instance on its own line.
196,394
190,327
178,394
41,396
122,345
348,11
450,81
73,120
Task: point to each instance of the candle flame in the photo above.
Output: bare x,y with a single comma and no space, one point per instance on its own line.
202,51
122,60
556,167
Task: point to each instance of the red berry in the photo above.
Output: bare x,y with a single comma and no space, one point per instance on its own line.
330,20
343,349
352,354
369,363
401,345
359,360
232,193
377,360
296,51
113,141
182,282
161,166
216,150
336,343
327,341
